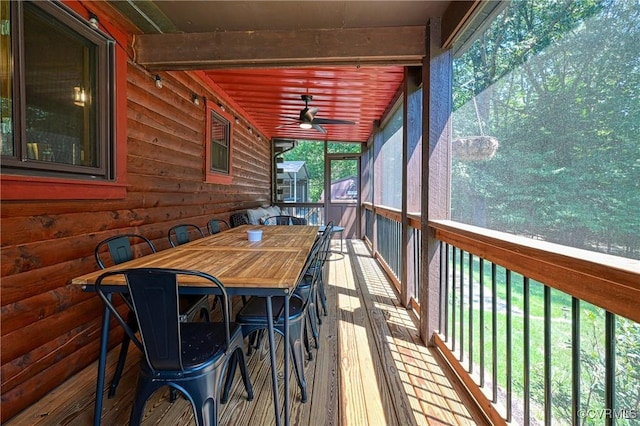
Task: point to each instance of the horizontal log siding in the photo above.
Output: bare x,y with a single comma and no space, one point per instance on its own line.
50,329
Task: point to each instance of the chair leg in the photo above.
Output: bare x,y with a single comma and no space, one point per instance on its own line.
173,395
144,389
237,358
307,344
311,315
296,332
255,339
244,373
204,399
122,357
323,296
231,372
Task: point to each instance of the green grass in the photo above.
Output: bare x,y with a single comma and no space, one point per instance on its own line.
591,338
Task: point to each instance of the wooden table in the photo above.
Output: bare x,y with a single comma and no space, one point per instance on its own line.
270,267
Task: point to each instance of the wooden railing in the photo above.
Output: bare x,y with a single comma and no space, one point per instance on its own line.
513,312
313,213
539,330
610,282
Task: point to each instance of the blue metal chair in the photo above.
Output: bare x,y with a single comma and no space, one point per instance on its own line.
120,250
216,225
253,318
323,277
315,286
188,356
180,234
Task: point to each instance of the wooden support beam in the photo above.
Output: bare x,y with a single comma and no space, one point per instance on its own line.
436,170
455,18
222,49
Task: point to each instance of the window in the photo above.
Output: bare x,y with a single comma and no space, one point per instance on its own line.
218,156
57,94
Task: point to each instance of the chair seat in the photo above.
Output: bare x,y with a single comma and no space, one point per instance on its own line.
305,286
203,342
255,310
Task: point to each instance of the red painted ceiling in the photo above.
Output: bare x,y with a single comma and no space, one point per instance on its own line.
269,96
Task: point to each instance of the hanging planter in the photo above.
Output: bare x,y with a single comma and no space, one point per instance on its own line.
474,148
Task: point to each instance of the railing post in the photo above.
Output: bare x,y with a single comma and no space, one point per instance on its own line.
436,160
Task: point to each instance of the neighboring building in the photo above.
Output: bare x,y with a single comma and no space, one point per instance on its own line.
293,182
343,190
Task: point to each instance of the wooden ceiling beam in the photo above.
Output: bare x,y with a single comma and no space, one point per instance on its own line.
262,49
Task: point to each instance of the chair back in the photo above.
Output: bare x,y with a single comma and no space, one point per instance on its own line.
309,274
238,219
155,301
326,238
180,234
279,220
216,225
119,248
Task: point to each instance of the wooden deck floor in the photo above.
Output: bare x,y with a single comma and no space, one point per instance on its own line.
371,369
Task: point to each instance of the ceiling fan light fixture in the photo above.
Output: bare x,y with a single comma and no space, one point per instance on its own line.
306,126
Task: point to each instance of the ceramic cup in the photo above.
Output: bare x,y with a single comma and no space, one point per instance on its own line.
254,235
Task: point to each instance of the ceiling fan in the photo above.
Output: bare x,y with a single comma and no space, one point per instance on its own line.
308,120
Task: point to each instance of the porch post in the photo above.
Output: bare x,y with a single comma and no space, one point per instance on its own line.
436,159
411,173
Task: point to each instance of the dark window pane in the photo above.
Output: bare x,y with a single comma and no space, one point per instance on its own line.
6,82
60,88
220,136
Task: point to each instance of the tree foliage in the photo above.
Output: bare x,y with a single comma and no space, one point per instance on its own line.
557,84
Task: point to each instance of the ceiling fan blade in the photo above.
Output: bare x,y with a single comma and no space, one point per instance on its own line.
319,128
288,117
331,121
287,125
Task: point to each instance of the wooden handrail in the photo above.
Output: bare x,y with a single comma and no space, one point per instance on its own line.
611,282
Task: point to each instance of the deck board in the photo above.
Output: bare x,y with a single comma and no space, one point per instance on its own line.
371,369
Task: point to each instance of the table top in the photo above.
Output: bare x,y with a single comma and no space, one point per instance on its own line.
274,262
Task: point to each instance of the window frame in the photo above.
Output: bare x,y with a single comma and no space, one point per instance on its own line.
39,180
213,112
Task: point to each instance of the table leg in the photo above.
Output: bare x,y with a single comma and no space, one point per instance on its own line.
102,365
286,360
272,353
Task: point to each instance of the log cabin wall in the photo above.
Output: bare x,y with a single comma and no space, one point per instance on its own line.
49,328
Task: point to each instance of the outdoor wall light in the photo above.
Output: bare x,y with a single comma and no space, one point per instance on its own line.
93,20
79,96
158,82
237,120
195,99
250,130
222,107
